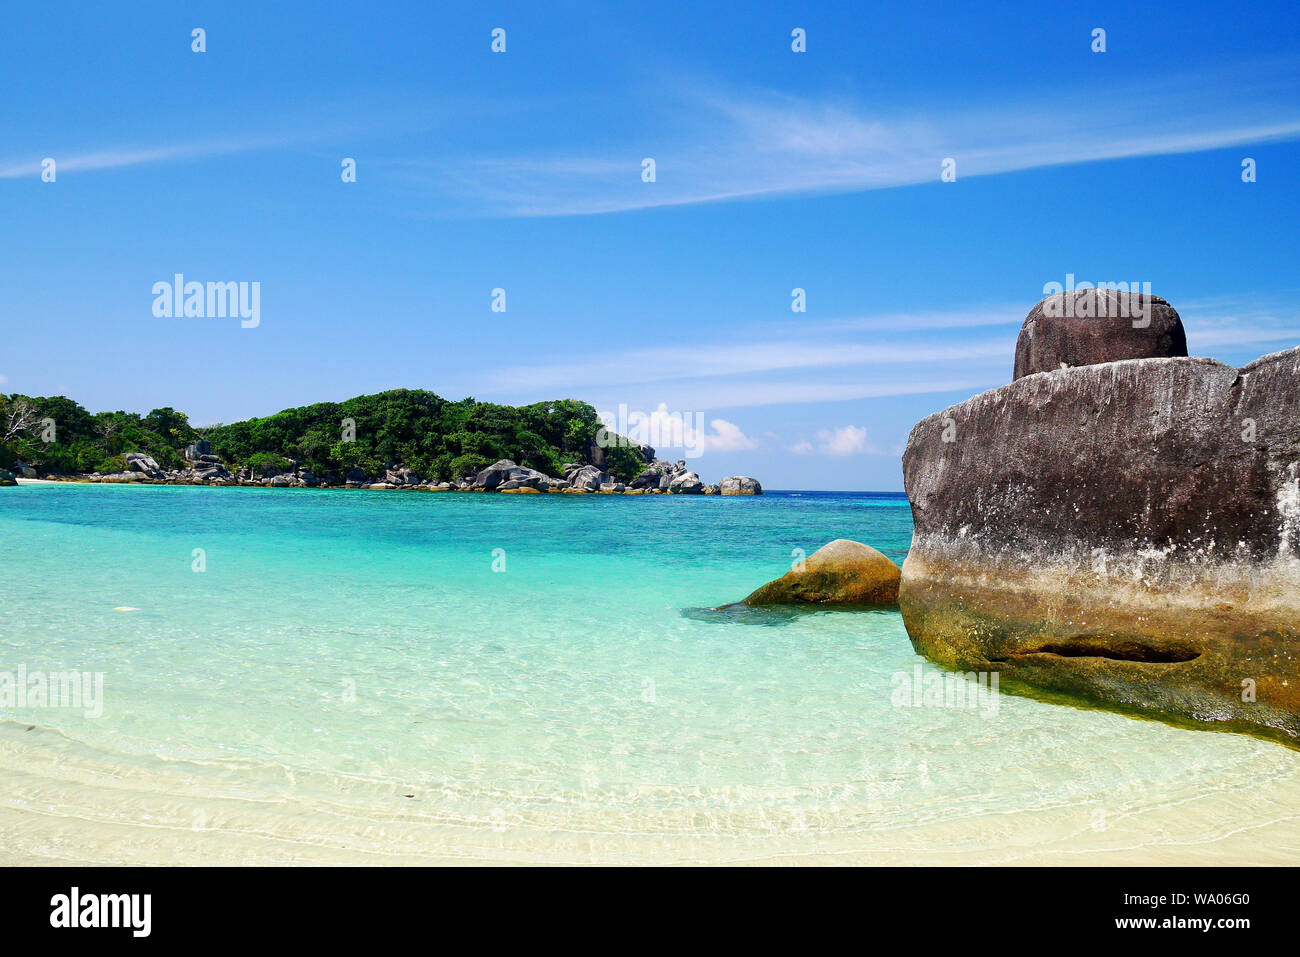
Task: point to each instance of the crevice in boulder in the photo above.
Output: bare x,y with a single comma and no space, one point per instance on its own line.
1129,651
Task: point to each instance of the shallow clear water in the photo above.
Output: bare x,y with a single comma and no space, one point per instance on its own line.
350,679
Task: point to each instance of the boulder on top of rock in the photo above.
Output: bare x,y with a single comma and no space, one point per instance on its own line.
143,464
1124,534
740,485
647,478
1083,327
139,462
686,483
588,477
494,474
401,476
841,573
499,473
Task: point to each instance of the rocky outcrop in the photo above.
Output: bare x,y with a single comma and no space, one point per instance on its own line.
1124,534
398,476
841,573
686,483
7,477
505,474
205,468
208,468
146,466
585,477
740,485
1087,326
196,449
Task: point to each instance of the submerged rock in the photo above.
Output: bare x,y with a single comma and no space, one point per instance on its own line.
1124,533
841,573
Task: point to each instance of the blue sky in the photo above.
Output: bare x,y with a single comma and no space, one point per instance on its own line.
522,171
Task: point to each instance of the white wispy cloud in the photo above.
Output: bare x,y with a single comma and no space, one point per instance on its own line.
120,158
976,317
725,146
1225,322
853,358
708,360
724,394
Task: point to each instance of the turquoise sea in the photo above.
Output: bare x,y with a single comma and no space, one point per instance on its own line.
358,676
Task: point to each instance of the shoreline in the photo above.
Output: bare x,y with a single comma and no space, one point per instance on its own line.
388,487
115,810
432,764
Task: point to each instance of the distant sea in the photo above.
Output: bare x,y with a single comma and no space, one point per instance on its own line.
370,677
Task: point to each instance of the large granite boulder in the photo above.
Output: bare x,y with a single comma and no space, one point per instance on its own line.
587,477
1087,326
144,464
740,485
401,476
1125,534
494,474
505,471
647,478
686,483
841,573
7,477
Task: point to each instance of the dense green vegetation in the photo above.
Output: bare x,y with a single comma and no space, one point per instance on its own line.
56,434
438,438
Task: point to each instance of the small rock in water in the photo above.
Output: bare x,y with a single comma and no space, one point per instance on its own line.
841,573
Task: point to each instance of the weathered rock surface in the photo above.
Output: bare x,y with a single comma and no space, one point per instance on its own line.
505,472
740,485
1125,533
841,573
139,462
587,477
686,483
1088,326
401,476
7,477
